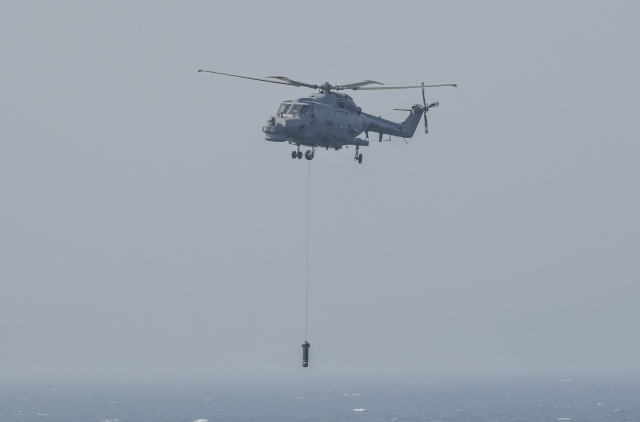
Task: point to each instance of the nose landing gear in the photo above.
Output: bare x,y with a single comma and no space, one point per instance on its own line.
309,154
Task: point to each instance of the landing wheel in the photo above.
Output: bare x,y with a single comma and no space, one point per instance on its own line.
359,158
308,155
294,155
299,154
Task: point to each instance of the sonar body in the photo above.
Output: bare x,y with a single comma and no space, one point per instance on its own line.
305,354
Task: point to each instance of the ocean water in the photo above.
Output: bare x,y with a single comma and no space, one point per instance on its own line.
592,398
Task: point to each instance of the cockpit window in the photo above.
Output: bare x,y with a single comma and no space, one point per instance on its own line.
297,110
284,109
294,109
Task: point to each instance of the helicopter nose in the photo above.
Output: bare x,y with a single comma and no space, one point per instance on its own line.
274,130
290,124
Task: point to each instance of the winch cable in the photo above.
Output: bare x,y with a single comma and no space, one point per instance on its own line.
306,345
306,293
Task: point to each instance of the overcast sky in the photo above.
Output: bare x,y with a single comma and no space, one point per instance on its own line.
148,230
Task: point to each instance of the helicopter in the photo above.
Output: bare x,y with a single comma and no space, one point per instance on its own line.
329,119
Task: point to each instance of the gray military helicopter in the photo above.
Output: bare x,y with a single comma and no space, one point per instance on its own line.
328,119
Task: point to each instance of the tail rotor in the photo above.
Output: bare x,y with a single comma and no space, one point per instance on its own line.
426,109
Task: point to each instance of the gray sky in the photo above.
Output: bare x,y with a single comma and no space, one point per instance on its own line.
148,230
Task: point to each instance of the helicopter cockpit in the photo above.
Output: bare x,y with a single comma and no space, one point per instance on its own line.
293,110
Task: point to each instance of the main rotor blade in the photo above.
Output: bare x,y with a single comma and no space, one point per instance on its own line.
357,84
244,77
404,87
292,82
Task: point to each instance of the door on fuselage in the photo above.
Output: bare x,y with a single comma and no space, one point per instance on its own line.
341,122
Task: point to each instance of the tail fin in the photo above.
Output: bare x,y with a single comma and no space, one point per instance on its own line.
411,123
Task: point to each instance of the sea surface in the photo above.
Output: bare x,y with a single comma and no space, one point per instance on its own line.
592,398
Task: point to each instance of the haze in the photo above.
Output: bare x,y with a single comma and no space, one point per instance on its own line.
147,229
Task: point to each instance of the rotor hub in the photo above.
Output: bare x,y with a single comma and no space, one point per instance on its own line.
326,87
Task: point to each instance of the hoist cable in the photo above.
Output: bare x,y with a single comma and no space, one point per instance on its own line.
306,294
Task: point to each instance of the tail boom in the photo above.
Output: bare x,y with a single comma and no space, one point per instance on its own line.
405,129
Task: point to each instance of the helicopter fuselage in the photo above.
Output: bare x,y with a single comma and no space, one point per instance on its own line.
332,120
